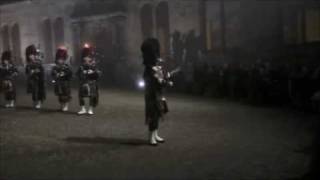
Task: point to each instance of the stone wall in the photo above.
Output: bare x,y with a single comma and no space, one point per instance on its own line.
30,17
249,25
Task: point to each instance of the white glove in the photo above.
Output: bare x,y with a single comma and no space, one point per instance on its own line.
168,75
90,71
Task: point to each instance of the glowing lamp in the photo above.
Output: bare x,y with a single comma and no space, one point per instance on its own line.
86,45
141,84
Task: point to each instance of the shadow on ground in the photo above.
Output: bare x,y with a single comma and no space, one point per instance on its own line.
109,141
42,110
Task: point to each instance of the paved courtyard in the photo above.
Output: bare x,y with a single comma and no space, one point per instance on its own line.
206,139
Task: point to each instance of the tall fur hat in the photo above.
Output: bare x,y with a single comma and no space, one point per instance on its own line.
150,51
6,55
30,50
87,51
62,53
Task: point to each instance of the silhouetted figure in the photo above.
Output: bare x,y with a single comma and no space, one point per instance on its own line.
88,74
155,79
177,47
316,90
191,47
61,74
35,76
8,72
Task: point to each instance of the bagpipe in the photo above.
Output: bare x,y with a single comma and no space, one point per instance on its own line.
59,76
60,73
8,71
35,68
96,59
89,76
34,71
163,76
88,72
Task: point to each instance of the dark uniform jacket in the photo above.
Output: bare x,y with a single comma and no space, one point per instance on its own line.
155,81
88,81
36,80
62,75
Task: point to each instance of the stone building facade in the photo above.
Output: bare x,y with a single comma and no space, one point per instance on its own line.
187,29
50,24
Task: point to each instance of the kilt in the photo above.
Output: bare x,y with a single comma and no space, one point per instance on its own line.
88,89
7,85
155,106
37,89
62,88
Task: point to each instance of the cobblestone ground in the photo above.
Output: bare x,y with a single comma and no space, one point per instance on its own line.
206,139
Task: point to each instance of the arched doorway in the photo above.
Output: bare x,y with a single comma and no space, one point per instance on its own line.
163,27
59,32
16,43
146,19
5,38
104,47
47,39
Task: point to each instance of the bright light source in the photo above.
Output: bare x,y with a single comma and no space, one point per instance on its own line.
63,47
141,84
86,45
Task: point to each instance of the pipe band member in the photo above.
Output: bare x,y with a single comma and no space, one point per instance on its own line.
88,75
62,74
8,73
35,76
155,81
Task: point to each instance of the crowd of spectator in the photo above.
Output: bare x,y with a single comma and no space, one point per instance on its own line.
261,83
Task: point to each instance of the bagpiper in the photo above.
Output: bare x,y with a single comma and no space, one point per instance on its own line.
35,76
61,74
155,80
8,73
88,75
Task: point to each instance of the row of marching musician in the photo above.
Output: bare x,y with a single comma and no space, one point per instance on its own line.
61,73
156,78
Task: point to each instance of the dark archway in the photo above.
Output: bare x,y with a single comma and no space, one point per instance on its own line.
59,32
5,37
47,39
146,19
16,43
163,27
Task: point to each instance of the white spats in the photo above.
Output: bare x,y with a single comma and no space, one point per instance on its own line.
38,105
65,107
157,137
12,104
7,105
82,110
152,139
90,111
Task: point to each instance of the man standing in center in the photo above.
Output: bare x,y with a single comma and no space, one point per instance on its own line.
156,79
35,76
